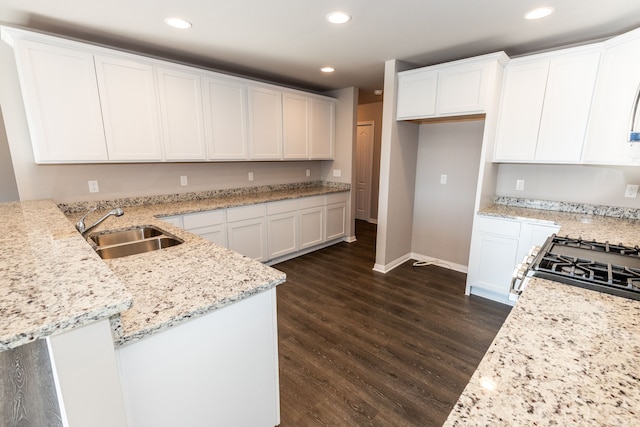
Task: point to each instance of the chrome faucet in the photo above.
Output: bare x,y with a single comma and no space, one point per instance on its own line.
83,229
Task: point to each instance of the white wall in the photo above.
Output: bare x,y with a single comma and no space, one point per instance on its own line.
601,185
8,186
443,213
65,183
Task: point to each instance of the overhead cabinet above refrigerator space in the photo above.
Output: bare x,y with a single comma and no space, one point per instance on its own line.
451,89
90,104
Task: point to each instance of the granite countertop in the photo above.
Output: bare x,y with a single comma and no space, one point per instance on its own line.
51,280
188,280
564,356
585,225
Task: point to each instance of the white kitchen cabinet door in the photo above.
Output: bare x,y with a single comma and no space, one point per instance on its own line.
130,113
417,90
181,109
247,231
311,222
533,234
282,230
617,84
336,215
520,110
462,88
322,134
62,102
226,119
214,233
295,124
265,123
566,108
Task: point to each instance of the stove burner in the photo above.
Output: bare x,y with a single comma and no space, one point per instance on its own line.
597,246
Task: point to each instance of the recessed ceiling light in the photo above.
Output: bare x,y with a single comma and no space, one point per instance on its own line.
327,69
180,23
338,17
538,13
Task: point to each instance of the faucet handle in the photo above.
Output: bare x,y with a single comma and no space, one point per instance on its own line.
80,225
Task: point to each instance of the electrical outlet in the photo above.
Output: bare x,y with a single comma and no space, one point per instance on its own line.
337,172
308,172
631,191
250,176
443,179
183,180
520,184
93,187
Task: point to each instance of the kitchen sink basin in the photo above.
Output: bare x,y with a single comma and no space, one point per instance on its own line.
125,236
121,243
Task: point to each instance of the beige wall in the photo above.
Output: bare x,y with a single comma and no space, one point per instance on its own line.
8,186
600,185
373,112
443,213
69,182
399,149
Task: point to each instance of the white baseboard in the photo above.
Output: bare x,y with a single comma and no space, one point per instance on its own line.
423,258
440,263
350,239
372,220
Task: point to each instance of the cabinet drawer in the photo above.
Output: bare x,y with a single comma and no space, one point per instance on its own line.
246,212
281,206
336,198
203,219
499,226
311,202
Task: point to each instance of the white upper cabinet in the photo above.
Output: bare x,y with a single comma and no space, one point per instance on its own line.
265,123
62,103
182,115
545,106
226,118
451,89
322,135
609,124
129,109
295,118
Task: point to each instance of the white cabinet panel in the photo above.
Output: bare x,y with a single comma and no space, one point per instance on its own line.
618,82
336,221
498,257
129,109
322,135
214,233
203,219
282,230
566,108
545,106
520,110
311,223
226,119
181,109
461,89
63,106
295,110
417,94
265,123
249,238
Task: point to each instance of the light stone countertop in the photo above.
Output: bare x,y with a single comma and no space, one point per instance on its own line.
576,224
565,356
182,282
51,281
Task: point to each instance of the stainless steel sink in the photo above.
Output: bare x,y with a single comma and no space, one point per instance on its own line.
125,236
120,243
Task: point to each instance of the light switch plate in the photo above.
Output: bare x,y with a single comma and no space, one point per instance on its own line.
337,172
443,179
250,176
308,172
520,185
183,180
93,187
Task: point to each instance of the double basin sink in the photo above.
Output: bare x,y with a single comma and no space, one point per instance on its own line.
141,239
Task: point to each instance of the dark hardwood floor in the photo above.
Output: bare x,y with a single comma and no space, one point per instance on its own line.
359,347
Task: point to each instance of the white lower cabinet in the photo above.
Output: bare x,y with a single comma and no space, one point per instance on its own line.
209,225
282,228
336,216
220,369
311,220
246,231
497,246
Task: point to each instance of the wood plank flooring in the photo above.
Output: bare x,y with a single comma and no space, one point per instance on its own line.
361,348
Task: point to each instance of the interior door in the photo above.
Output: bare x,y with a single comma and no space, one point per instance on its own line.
364,160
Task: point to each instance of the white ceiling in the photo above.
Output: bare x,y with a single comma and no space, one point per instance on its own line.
287,41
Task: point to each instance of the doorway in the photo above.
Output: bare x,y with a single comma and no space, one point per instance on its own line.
364,165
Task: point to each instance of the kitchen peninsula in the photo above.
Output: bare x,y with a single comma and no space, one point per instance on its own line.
189,325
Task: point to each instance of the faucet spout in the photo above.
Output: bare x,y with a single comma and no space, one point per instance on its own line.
84,230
